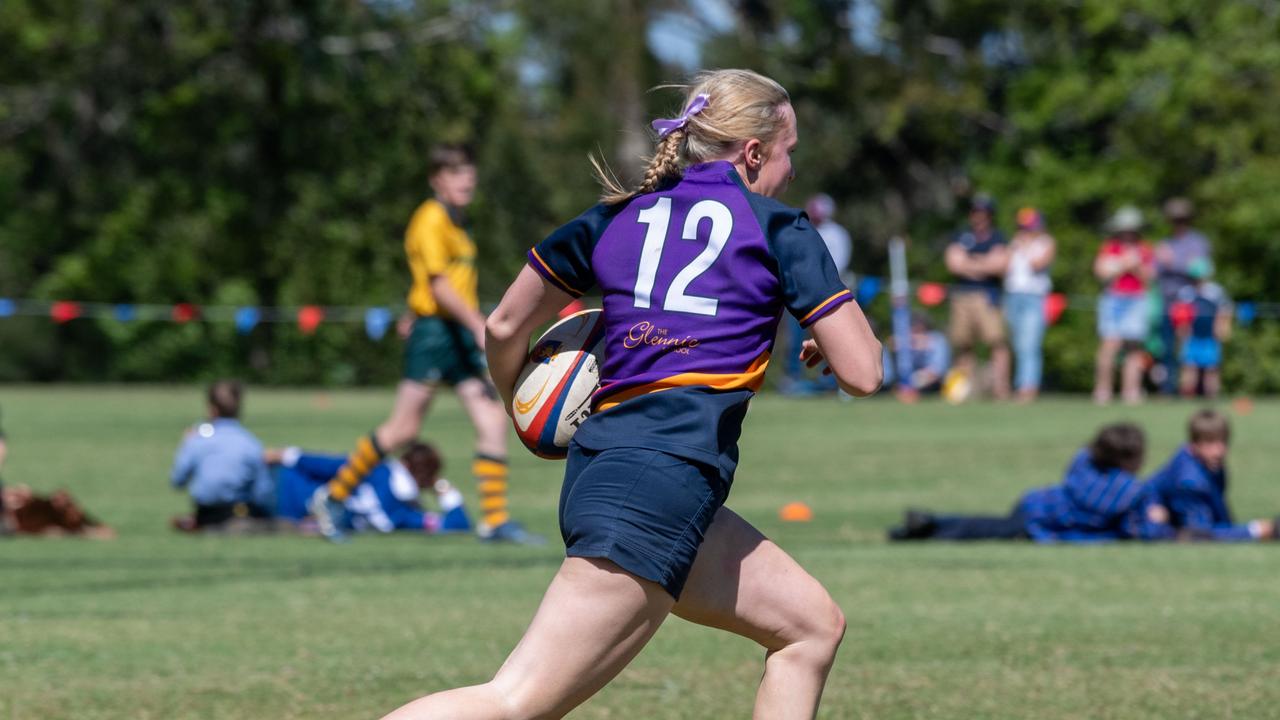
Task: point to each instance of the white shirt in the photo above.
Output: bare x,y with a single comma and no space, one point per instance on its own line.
838,244
1021,277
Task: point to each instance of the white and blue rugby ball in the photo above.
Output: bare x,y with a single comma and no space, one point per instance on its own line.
553,393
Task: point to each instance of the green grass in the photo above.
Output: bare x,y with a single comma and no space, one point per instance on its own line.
156,625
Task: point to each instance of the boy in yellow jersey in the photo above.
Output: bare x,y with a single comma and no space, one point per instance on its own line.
444,343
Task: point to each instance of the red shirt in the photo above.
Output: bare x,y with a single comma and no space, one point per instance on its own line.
1130,282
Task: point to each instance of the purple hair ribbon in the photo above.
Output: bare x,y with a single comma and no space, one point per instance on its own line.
664,126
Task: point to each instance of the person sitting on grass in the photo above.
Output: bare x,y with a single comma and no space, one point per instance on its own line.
930,357
1192,485
386,501
1099,499
220,463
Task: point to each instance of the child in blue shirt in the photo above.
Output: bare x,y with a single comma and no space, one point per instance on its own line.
388,499
220,465
1202,316
1099,499
1192,486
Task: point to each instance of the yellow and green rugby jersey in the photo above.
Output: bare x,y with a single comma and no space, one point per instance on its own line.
436,245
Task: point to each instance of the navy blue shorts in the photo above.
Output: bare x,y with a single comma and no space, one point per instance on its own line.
645,510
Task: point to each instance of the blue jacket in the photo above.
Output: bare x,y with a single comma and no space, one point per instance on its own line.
1196,498
1091,505
221,462
387,499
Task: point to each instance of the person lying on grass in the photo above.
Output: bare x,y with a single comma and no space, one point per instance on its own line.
57,514
388,499
1192,486
1100,499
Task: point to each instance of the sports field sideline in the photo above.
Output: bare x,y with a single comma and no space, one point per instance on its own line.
155,625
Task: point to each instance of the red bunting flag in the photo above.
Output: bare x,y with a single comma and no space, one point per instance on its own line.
1054,305
64,311
184,313
309,318
931,294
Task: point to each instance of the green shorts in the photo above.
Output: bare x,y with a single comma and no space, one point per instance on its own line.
440,350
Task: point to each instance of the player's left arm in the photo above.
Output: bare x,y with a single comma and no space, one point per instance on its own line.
529,303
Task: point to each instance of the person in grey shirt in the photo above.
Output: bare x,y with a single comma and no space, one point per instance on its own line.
1174,256
220,464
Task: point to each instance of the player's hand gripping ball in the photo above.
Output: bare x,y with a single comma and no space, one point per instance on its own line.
553,393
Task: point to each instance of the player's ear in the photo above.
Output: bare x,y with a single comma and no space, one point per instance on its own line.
753,153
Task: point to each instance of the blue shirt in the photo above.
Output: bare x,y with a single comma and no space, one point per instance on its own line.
387,500
694,279
1207,301
973,246
1196,497
221,462
1091,505
934,355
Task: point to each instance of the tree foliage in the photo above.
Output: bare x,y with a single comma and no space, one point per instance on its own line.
270,151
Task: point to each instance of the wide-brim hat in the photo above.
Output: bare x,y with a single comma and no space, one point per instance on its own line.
1126,219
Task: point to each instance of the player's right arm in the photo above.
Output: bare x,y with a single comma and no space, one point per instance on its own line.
529,303
558,272
455,307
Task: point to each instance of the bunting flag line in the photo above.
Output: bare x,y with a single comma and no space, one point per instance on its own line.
378,320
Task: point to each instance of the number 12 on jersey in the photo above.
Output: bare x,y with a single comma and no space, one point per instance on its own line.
658,219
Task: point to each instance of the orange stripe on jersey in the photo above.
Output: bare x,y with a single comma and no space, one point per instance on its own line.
533,252
751,379
823,304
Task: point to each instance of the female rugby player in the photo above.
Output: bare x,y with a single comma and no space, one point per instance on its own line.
700,253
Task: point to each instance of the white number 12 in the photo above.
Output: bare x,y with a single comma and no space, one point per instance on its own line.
658,220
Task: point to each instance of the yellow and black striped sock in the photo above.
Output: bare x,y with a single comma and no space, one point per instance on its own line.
491,479
359,464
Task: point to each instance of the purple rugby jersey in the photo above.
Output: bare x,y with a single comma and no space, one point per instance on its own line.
694,279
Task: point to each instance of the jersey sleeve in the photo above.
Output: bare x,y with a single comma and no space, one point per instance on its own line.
427,240
811,285
564,258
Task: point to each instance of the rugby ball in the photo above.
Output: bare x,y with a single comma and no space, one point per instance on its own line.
553,393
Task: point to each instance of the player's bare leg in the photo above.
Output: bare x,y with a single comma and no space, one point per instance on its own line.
490,465
1104,370
486,414
744,583
592,621
1000,366
1131,375
413,399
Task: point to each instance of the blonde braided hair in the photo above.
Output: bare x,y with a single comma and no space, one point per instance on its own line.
742,105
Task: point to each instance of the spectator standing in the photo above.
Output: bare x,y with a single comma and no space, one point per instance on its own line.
1026,285
1174,257
1126,265
1201,312
220,462
978,257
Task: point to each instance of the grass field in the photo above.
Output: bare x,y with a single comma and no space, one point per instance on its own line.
156,625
